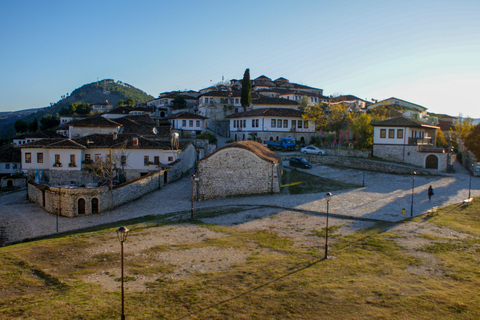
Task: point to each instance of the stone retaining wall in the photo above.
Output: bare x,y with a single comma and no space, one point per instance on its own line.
361,164
17,182
347,152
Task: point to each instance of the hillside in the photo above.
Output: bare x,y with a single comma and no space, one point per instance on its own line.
93,92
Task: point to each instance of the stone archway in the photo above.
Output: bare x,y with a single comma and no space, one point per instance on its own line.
431,162
81,206
94,206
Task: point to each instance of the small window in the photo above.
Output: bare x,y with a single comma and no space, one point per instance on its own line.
244,123
40,157
234,123
97,156
383,133
256,123
28,157
391,133
300,122
198,123
285,123
7,165
57,159
400,134
72,160
184,123
274,123
156,160
190,123
253,123
279,123
294,124
87,158
170,158
146,160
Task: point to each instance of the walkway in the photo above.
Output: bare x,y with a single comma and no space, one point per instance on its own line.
382,198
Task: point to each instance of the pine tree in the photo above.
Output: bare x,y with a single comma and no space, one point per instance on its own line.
246,96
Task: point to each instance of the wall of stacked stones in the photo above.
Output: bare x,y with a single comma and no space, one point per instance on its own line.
188,159
370,165
347,152
15,182
235,171
412,155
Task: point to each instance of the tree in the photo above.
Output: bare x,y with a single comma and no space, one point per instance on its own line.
246,96
33,126
337,116
441,142
130,102
472,141
82,108
383,113
120,103
360,125
48,121
179,102
317,113
21,126
303,103
463,127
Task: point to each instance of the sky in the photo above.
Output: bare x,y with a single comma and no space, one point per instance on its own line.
425,52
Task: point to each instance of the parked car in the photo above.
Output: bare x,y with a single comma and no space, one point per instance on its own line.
313,150
300,163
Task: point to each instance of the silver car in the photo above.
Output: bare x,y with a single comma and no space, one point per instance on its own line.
313,150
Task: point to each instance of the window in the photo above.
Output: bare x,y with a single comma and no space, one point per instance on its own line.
256,123
285,123
400,134
300,122
198,123
40,157
294,124
87,158
244,123
14,166
391,133
123,159
97,156
184,123
72,161
253,123
28,157
190,123
279,123
383,133
156,160
57,159
234,123
237,101
274,123
7,165
170,158
146,160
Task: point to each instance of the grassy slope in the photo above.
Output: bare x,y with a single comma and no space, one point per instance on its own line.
368,278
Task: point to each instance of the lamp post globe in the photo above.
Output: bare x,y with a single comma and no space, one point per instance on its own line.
122,234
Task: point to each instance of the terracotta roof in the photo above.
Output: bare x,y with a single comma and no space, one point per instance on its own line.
402,122
98,121
39,135
98,141
186,115
59,143
120,110
264,112
252,146
10,154
218,93
274,101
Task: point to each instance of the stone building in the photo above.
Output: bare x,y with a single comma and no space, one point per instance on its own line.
407,140
245,167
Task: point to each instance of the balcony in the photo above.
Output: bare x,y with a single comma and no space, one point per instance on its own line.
420,141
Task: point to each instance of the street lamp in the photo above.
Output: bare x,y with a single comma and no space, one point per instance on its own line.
122,234
413,186
470,182
328,196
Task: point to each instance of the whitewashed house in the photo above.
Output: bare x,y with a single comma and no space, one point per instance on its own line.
99,107
407,140
188,122
9,161
408,109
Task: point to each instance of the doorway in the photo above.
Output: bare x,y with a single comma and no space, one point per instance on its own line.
81,206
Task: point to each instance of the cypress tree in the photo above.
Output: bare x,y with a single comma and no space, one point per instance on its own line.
246,96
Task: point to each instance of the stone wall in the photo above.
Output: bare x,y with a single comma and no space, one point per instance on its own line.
17,182
370,165
347,152
409,154
236,171
188,159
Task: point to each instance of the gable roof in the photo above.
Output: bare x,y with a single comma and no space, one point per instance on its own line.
59,143
402,122
94,122
265,112
257,148
47,134
274,101
186,115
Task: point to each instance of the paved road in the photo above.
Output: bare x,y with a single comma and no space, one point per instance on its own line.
382,198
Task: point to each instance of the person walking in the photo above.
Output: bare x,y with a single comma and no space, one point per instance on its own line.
430,193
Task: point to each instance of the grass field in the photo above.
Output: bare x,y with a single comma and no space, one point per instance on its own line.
425,268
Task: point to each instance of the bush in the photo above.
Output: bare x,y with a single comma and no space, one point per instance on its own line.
208,135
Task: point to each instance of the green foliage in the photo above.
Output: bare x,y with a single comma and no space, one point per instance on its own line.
130,102
472,141
49,121
360,125
121,103
246,95
179,102
119,89
440,139
208,135
303,103
78,107
385,112
33,126
21,126
463,127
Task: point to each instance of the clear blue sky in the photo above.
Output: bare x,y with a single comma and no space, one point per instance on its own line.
425,52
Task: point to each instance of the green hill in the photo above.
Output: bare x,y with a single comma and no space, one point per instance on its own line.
94,92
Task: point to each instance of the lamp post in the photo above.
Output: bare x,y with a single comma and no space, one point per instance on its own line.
363,181
470,181
122,234
413,186
328,196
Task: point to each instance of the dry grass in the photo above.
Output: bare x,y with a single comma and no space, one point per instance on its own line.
368,275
